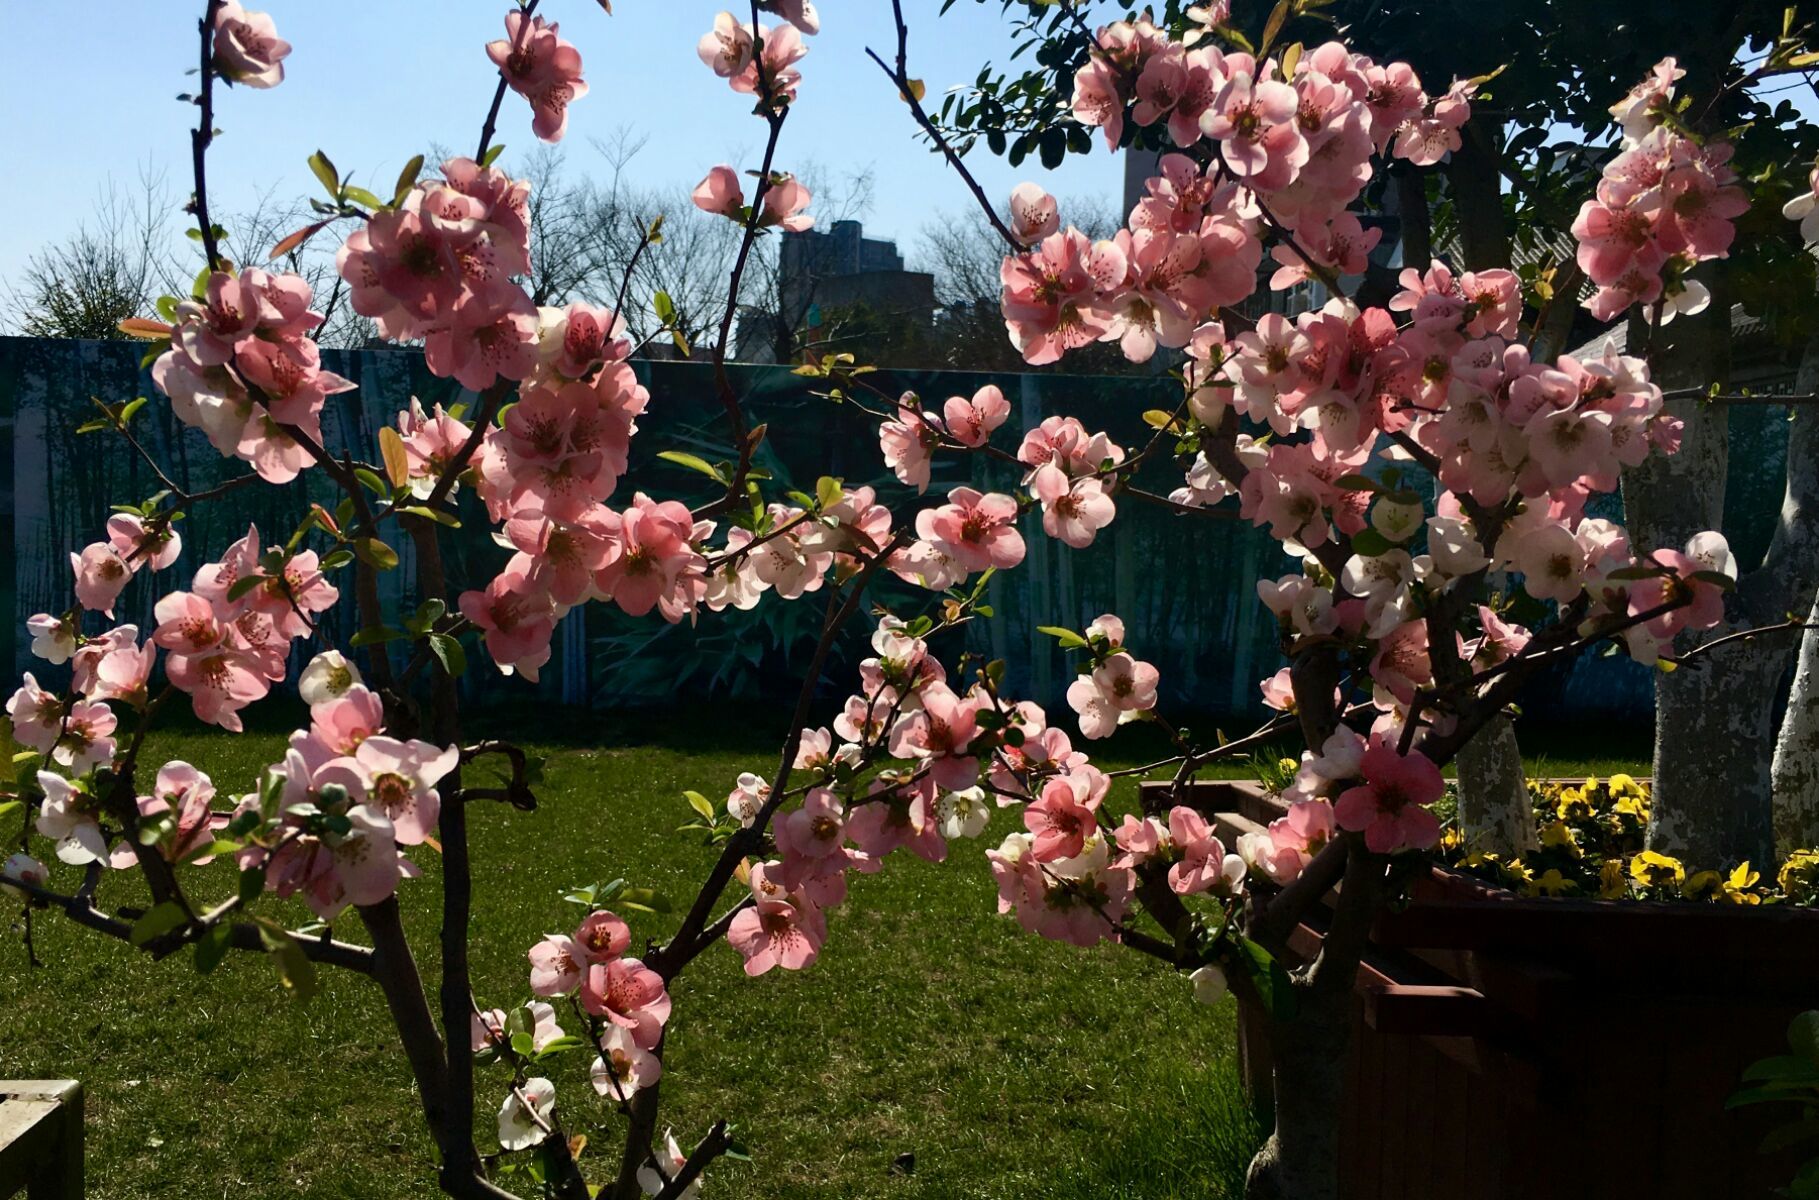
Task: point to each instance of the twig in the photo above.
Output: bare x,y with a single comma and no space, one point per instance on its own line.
900,76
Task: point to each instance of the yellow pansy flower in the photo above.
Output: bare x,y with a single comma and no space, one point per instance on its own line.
1799,877
1702,885
1656,870
1574,804
1551,883
1561,836
1611,882
1738,887
1624,786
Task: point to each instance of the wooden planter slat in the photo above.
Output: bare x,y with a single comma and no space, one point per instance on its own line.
1514,1049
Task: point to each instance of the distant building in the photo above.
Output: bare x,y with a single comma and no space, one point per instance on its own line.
822,273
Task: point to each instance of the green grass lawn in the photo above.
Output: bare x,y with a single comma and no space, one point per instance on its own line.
1008,1066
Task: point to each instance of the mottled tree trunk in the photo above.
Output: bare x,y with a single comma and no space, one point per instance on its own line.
1494,810
1714,718
1796,768
1300,1161
1796,771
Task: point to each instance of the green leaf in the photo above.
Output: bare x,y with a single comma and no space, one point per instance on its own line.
212,947
664,307
700,804
295,971
407,179
828,492
360,195
371,482
324,170
693,462
1274,987
644,900
376,554
1803,1036
492,155
559,1045
336,559
374,635
426,616
7,807
1370,543
397,462
252,885
449,653
243,585
1357,483
431,514
1068,638
1273,26
1785,1068
159,921
131,407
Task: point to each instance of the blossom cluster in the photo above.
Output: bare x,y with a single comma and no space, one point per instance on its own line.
1664,204
1292,151
243,368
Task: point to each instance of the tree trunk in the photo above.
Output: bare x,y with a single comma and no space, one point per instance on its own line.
1712,733
1300,1161
1795,552
1494,810
1715,726
1796,771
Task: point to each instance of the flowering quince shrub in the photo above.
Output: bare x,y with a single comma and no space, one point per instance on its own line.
1401,454
1430,475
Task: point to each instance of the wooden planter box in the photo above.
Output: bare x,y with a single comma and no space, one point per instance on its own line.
1514,1049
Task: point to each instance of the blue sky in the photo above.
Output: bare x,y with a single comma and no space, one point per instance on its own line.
372,81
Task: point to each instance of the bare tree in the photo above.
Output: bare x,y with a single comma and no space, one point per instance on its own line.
114,266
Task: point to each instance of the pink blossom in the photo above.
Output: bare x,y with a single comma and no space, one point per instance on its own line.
182,790
971,422
403,786
1060,820
1034,214
1203,864
979,530
70,816
541,66
778,930
556,966
624,1067
630,995
87,737
727,48
602,936
36,715
343,722
1073,510
101,575
908,443
783,204
247,47
656,553
1391,806
136,545
516,618
1254,122
719,193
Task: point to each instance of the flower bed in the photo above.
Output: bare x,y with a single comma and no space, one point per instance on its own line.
1481,1012
1591,845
